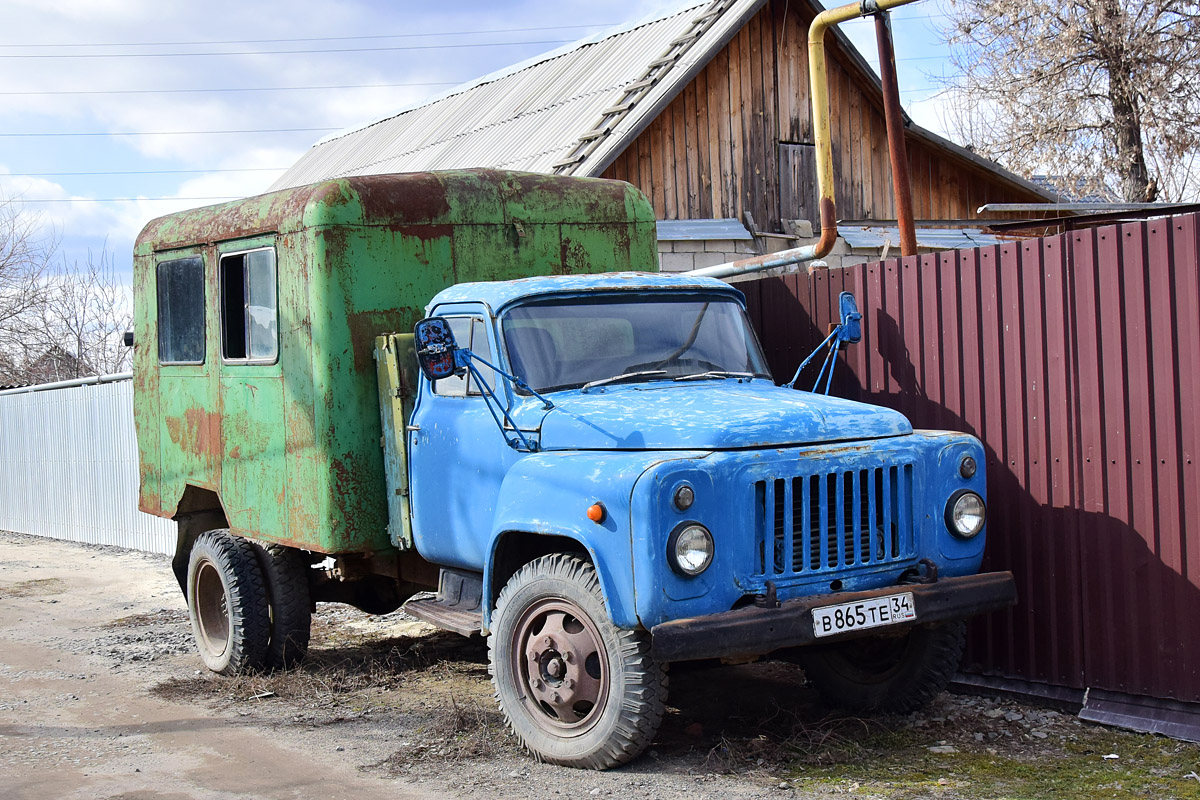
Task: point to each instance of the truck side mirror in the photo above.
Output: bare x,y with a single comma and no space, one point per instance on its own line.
435,348
851,328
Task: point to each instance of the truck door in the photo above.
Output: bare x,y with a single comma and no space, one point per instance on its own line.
457,457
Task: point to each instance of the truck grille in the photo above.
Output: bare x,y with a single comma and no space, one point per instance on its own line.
809,524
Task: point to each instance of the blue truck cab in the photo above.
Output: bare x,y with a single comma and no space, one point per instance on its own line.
610,481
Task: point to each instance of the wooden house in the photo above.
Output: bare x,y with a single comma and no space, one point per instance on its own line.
705,109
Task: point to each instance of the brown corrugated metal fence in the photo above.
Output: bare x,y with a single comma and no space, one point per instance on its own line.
1076,359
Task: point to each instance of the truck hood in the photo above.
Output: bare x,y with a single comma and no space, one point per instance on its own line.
708,415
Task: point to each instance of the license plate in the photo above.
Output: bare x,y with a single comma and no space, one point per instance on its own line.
872,613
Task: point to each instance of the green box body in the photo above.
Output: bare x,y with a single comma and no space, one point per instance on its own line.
292,449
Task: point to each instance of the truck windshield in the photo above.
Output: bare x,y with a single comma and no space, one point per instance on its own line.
565,343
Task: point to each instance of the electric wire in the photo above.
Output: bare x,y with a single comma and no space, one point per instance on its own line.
231,89
309,38
165,133
140,172
282,52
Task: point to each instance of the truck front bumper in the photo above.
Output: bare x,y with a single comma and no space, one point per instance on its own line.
752,630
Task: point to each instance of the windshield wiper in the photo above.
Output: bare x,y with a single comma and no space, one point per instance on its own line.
715,374
624,376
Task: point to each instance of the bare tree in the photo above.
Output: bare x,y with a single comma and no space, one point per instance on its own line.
57,322
25,256
1099,93
81,322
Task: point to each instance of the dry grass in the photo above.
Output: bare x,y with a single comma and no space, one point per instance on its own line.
790,736
433,688
328,676
34,588
465,728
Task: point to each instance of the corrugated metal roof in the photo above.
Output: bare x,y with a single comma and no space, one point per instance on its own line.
678,230
551,109
933,238
531,116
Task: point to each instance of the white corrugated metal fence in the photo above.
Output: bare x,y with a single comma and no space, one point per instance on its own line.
69,467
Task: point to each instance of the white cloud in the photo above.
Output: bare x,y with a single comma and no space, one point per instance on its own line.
118,23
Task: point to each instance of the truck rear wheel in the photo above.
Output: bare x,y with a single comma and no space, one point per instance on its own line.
576,690
227,602
892,674
285,571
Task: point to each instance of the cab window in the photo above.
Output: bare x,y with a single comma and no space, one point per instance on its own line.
181,311
469,332
249,307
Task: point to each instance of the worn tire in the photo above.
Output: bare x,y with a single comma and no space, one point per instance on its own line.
894,674
575,689
285,571
227,603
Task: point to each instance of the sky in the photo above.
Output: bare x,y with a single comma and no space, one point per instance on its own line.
113,112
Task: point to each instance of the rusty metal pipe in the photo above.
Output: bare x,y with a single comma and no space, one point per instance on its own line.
894,116
818,77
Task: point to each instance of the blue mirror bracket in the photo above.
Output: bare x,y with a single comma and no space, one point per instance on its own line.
439,356
847,331
465,359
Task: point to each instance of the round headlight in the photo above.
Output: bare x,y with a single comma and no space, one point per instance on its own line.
690,549
684,497
967,467
965,513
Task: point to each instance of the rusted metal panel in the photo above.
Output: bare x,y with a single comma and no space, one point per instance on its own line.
289,450
1076,360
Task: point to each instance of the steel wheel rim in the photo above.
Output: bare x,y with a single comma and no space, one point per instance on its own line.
212,609
560,666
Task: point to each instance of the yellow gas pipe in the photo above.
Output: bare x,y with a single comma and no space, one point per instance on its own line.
818,77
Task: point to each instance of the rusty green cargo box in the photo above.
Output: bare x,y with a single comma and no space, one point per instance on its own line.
282,440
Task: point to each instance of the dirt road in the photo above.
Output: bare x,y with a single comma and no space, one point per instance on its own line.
101,696
78,719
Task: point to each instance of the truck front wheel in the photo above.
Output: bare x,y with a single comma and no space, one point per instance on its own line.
576,690
227,602
891,674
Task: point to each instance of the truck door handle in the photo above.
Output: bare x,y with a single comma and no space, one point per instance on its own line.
411,428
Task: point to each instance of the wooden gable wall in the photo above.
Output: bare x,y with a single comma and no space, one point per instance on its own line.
739,138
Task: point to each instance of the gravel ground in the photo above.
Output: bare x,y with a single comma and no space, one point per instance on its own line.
101,695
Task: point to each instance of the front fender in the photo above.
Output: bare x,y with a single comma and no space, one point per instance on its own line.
549,493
